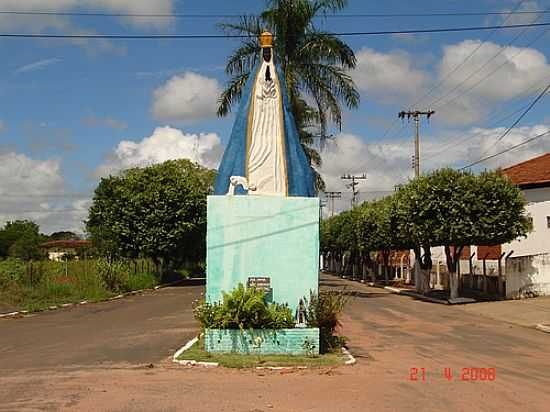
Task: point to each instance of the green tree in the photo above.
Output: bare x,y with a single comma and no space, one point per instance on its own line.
315,64
454,209
413,216
21,239
157,212
63,235
476,210
375,230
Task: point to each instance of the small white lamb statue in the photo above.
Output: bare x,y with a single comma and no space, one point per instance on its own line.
235,181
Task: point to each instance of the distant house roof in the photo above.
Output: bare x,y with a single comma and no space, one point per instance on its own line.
67,244
531,173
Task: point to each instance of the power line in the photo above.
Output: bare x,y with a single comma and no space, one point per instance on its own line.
332,196
416,114
506,151
353,185
492,58
452,142
500,66
463,62
223,16
527,110
458,66
241,36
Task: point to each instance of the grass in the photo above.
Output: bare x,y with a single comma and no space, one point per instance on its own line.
234,360
46,283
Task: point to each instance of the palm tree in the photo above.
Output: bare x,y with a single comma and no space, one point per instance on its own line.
315,64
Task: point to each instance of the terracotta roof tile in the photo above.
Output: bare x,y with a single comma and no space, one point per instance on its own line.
533,171
73,244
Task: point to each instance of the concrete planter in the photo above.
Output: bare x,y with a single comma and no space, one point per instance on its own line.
297,341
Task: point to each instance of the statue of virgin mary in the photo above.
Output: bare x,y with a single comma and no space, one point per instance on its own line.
264,155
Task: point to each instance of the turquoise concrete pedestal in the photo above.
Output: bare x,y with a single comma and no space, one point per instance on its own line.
297,341
263,237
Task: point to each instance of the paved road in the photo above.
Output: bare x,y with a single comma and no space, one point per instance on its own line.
88,358
136,330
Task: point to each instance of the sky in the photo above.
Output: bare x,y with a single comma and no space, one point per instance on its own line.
73,111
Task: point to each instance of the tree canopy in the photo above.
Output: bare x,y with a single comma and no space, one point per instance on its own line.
446,208
157,212
21,239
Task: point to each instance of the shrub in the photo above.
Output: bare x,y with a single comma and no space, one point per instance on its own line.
324,311
114,274
11,270
244,308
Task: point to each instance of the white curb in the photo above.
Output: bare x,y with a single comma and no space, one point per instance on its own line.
5,315
188,362
184,348
351,360
84,302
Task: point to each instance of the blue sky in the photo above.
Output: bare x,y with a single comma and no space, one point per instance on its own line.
71,112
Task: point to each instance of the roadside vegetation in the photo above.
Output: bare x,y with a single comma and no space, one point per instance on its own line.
146,226
38,285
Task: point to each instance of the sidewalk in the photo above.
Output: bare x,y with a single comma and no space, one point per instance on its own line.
524,312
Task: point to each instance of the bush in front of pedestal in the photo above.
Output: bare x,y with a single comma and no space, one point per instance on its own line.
324,312
244,308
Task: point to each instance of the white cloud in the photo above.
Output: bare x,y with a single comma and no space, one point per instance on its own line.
114,6
186,97
524,18
513,72
38,65
67,24
34,189
166,143
389,163
390,77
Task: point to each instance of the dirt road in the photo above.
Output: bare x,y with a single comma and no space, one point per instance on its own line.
104,368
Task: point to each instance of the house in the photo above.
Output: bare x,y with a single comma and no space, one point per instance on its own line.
528,269
58,249
533,178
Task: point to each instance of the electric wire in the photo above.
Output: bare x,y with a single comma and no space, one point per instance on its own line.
222,16
467,58
242,36
506,151
478,70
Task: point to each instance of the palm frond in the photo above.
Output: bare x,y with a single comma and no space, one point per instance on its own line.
326,48
231,94
244,58
248,25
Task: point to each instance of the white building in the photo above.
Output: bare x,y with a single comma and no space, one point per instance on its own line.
528,269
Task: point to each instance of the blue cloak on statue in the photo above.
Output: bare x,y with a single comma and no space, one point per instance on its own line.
299,176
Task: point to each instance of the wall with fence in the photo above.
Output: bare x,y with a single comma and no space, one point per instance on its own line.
528,276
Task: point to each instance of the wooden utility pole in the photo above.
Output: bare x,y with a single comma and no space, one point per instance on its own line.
353,186
331,196
416,114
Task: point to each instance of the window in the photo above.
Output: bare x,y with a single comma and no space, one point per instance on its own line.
548,222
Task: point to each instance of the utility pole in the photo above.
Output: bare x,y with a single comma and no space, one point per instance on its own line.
332,196
416,114
352,185
322,204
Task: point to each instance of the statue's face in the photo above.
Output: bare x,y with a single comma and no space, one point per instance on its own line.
266,52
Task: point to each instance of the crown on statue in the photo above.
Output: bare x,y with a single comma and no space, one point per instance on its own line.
266,39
